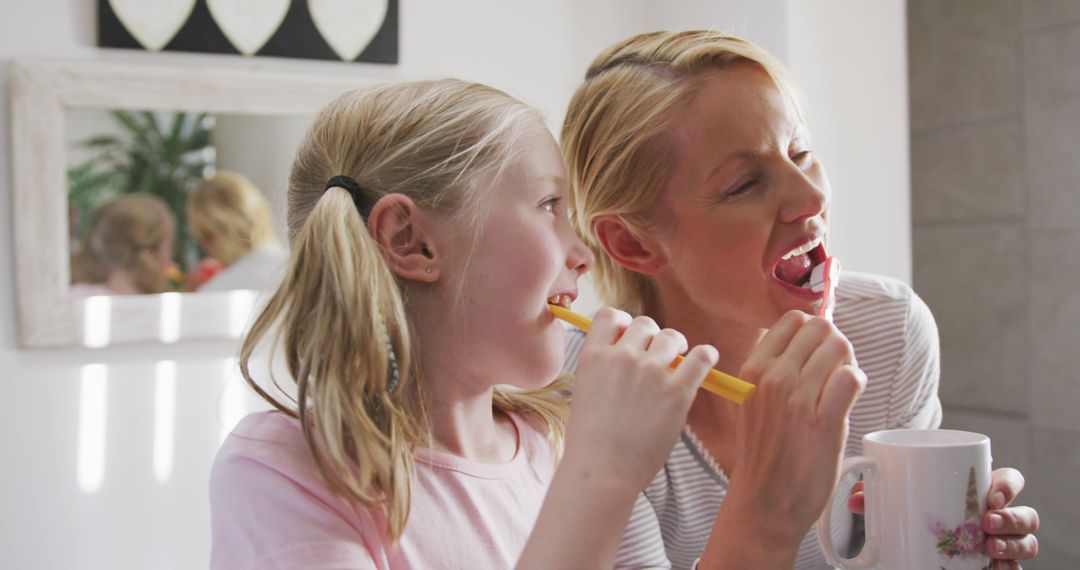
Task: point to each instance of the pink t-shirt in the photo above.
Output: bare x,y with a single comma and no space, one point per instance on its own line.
271,509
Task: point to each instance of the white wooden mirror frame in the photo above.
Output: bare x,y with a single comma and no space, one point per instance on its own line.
40,93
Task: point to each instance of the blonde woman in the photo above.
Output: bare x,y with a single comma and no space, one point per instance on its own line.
422,429
693,181
230,219
127,250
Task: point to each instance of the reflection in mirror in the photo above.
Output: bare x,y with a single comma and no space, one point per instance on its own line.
166,202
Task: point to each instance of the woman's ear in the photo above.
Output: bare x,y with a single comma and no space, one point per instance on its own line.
626,247
403,232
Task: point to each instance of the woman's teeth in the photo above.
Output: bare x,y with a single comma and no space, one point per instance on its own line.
560,300
802,248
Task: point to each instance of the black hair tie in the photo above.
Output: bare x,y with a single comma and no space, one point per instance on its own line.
354,190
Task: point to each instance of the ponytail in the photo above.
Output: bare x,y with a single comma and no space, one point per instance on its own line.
332,305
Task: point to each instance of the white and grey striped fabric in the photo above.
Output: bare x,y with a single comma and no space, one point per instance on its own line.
896,343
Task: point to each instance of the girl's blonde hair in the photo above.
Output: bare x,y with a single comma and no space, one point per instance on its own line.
125,235
228,211
618,156
439,143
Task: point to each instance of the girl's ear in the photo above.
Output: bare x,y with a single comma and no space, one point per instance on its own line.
403,232
626,247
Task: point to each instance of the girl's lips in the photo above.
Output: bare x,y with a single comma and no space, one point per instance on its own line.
562,299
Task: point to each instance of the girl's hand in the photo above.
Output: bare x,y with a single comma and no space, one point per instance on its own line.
1008,529
628,404
790,435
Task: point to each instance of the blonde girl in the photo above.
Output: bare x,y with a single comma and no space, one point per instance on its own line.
230,219
421,427
127,250
693,180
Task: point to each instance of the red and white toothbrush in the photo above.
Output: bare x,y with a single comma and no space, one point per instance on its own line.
823,278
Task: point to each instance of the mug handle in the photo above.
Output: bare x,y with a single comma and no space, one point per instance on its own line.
868,557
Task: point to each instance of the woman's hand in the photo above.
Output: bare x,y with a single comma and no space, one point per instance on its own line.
629,405
1008,529
791,432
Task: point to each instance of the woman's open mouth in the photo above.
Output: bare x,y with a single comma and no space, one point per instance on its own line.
795,266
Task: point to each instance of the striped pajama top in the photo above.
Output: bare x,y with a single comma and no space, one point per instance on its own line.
896,344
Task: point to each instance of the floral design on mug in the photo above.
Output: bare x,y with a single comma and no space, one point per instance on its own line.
967,539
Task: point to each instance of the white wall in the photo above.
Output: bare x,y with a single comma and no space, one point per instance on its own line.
850,62
536,50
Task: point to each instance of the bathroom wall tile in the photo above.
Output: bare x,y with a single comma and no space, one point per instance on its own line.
1010,439
1054,327
1051,116
968,172
1043,13
980,311
963,60
1053,491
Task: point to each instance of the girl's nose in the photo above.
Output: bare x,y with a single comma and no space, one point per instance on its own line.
580,258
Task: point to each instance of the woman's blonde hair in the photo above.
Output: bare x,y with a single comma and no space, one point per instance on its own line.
439,143
614,138
228,211
125,235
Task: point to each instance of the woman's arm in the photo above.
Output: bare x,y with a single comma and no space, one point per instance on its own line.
789,444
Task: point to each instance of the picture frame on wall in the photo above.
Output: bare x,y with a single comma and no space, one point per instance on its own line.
344,30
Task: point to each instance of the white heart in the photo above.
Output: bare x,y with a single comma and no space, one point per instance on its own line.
348,25
152,22
248,24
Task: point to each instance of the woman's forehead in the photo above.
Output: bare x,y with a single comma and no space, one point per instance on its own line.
741,100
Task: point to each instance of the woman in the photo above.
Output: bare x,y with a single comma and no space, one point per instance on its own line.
693,181
230,219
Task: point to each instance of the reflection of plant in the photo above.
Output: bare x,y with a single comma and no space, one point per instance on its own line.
157,154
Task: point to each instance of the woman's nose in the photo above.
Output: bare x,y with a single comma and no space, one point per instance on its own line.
804,197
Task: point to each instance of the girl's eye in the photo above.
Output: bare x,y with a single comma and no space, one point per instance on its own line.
551,204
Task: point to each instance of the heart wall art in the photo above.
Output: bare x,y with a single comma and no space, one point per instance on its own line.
345,30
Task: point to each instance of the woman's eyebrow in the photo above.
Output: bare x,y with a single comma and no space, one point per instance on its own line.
745,155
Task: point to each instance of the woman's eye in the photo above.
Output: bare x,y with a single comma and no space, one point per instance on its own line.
802,157
742,188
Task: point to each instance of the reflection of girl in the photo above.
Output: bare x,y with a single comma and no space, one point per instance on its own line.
127,250
693,180
429,234
231,221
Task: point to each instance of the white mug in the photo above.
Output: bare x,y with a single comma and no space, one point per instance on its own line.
925,496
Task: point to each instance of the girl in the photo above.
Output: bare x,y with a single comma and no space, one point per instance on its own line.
128,249
693,181
428,236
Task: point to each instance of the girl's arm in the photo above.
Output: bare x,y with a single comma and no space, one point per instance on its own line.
627,409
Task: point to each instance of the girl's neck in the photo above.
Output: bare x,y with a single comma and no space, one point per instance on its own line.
464,421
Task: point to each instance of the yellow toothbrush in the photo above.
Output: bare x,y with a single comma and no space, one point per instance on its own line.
724,385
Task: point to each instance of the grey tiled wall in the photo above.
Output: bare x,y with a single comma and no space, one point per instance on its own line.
995,136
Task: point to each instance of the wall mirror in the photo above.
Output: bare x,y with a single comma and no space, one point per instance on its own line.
149,201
